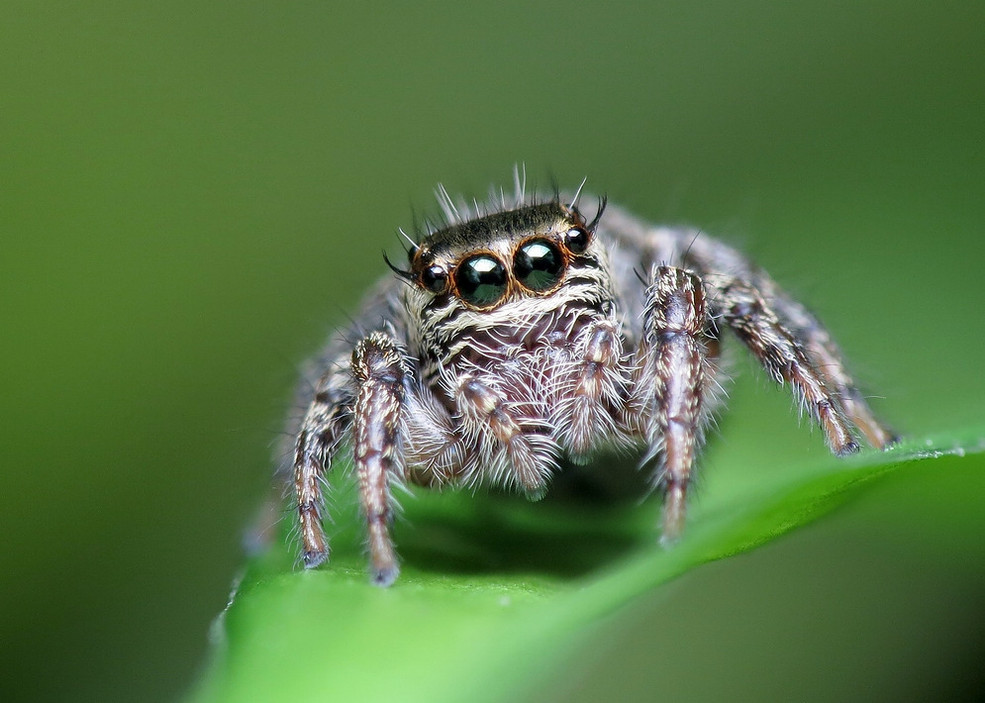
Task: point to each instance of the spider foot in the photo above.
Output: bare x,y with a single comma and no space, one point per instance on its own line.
384,576
311,559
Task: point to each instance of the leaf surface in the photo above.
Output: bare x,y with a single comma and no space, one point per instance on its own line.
495,591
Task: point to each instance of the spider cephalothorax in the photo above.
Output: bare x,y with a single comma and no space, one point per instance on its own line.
523,336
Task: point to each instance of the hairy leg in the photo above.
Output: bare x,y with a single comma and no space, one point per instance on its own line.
786,358
504,436
672,381
324,426
826,356
381,373
585,415
789,342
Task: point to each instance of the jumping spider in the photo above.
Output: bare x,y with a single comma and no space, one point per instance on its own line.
523,335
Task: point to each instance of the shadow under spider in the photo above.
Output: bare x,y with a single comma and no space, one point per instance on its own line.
589,518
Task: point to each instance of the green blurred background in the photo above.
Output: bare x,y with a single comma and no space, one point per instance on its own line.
193,194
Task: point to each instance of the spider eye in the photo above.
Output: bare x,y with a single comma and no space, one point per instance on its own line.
577,239
538,265
481,280
434,278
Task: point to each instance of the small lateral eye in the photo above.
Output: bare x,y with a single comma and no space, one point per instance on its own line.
577,239
538,265
481,280
434,278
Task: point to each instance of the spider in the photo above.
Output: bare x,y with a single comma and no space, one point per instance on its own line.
523,336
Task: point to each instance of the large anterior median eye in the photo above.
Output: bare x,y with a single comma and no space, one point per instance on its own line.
481,280
538,265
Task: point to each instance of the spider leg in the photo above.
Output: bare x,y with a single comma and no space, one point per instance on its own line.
597,383
381,373
789,342
435,453
825,355
672,380
790,357
324,426
503,431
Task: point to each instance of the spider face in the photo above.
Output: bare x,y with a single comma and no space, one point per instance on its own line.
501,256
523,337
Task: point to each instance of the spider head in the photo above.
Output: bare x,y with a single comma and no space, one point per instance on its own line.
509,255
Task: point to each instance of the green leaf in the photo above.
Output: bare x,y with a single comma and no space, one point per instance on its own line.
494,591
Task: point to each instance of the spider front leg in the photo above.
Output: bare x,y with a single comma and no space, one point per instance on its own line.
673,375
381,372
